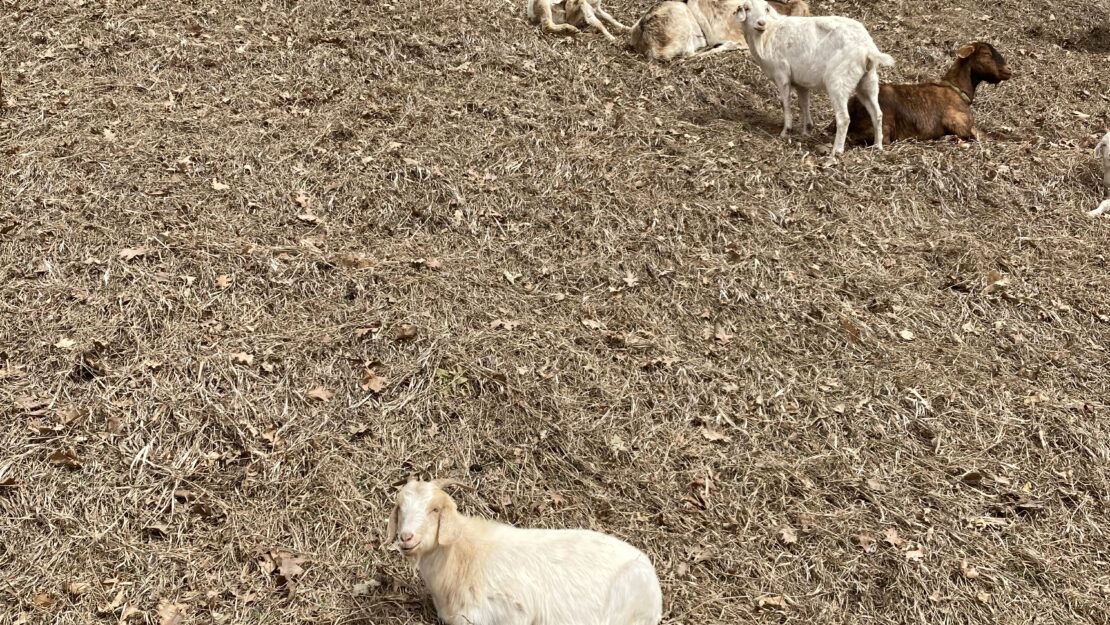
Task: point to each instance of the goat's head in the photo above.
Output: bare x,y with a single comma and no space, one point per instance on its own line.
986,62
424,517
1102,150
754,13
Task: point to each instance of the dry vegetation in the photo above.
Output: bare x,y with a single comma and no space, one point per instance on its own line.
261,262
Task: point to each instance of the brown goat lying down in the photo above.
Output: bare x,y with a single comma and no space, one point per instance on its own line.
932,110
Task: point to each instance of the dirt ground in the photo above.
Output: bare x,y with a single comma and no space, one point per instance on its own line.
261,262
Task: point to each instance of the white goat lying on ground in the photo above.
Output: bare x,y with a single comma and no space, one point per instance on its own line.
1102,153
805,53
567,18
481,572
688,28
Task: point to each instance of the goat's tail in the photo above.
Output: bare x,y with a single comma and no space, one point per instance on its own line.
878,58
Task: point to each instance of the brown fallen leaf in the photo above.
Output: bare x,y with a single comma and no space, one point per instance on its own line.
308,218
131,253
984,597
112,605
405,332
65,343
906,335
968,571
891,537
722,337
371,381
714,436
170,613
42,600
321,394
219,186
771,602
915,555
223,281
77,589
242,358
64,458
866,542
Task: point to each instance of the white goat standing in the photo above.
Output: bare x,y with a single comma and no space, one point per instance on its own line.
810,52
481,572
1102,153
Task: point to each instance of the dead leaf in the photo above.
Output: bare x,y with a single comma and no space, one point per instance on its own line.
721,336
713,435
76,589
433,263
787,535
915,555
43,600
219,186
906,335
170,613
65,343
510,276
371,381
503,324
968,571
630,280
891,537
242,358
64,458
111,606
223,281
984,597
308,218
405,332
771,602
996,282
131,253
302,199
321,394
866,542
128,612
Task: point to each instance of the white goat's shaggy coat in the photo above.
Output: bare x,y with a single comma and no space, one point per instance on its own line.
1102,153
805,53
481,572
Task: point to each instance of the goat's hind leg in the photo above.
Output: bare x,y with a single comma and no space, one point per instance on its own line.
548,22
803,103
868,93
612,21
590,16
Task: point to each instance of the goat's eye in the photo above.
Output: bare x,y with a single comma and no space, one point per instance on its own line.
435,510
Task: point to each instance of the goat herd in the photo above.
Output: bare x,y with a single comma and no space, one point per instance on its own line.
481,572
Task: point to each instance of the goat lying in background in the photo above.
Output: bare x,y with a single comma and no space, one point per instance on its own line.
678,29
570,16
804,53
1102,153
932,110
481,572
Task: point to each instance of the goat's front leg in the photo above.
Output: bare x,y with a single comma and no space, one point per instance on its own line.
803,103
548,22
727,46
612,21
787,119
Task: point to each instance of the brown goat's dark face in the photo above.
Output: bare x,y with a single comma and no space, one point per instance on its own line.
988,65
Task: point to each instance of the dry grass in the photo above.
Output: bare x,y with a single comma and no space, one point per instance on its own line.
637,310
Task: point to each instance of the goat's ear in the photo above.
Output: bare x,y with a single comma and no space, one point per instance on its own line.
966,51
1102,150
391,528
449,530
445,483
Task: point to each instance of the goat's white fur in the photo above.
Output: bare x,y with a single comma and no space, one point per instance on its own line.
481,572
805,53
1102,153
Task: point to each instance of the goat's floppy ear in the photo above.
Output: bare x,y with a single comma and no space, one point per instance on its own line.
1102,150
391,528
966,51
449,530
445,483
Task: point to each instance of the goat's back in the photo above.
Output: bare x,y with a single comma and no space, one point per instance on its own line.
573,577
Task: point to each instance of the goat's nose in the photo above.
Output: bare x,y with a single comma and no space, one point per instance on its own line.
406,537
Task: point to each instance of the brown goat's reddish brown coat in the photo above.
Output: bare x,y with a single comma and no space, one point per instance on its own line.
932,110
